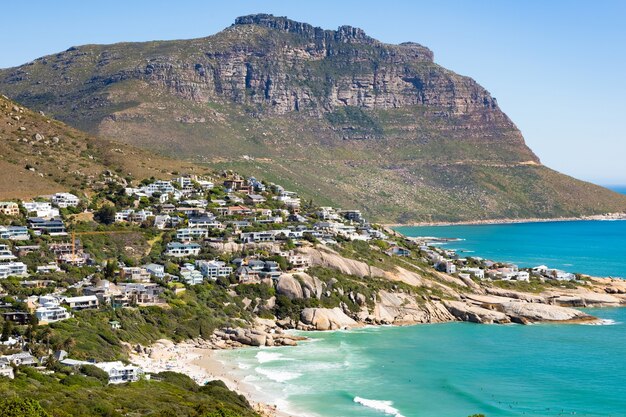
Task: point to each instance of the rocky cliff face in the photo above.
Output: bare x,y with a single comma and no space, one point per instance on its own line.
335,114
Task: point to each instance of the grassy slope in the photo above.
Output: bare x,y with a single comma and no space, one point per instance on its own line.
76,162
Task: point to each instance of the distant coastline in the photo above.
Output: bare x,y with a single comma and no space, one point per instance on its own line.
608,216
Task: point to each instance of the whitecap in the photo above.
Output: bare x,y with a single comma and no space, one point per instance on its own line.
379,405
278,376
264,356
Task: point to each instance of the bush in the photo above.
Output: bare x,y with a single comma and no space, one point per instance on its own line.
21,407
95,372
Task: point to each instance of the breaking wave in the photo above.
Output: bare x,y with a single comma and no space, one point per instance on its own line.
385,407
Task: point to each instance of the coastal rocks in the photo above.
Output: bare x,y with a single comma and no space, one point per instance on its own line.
398,308
330,259
515,295
326,319
229,338
584,300
535,312
289,286
475,314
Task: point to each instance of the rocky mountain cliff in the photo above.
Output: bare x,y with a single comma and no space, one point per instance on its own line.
337,115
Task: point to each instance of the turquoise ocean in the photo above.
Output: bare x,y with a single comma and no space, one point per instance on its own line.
458,369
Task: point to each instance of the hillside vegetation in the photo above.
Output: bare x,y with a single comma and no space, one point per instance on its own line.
40,155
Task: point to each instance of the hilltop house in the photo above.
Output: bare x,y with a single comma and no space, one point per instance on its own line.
398,251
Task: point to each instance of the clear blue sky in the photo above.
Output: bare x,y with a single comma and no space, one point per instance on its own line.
557,68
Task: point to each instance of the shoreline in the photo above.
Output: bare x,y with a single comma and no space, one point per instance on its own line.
200,363
598,217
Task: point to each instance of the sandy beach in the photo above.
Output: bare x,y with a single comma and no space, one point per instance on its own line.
200,364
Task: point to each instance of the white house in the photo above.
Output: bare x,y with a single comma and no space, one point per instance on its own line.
194,233
14,233
63,200
478,273
214,269
117,371
83,302
155,269
182,250
191,275
50,310
9,269
41,209
6,254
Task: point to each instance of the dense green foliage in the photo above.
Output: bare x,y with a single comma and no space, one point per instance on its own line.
65,394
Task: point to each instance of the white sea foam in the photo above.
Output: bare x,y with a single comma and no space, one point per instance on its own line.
278,376
264,356
379,405
602,322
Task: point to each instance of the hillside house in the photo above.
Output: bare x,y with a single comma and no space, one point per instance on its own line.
9,208
182,250
64,200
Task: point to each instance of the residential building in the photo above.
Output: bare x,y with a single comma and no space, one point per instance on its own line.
190,275
214,269
52,227
13,269
6,254
19,359
478,273
246,275
9,208
134,273
48,268
352,215
41,209
398,251
64,200
118,372
83,302
161,221
182,250
155,269
255,199
14,233
188,234
50,310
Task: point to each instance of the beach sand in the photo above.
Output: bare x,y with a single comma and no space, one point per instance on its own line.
200,364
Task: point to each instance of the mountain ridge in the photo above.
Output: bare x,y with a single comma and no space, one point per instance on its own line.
335,114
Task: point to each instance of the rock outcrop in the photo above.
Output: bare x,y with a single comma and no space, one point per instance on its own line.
326,319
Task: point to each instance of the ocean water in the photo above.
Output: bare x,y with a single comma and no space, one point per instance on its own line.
591,247
447,370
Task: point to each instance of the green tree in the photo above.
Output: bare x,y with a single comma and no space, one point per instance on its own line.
106,214
7,329
21,407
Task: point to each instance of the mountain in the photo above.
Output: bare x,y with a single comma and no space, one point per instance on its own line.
40,155
341,117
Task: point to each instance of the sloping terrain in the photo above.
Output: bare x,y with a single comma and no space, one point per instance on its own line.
40,155
339,116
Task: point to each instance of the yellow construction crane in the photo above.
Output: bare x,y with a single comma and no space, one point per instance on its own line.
110,232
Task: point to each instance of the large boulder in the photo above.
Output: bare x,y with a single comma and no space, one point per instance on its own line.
326,318
542,312
312,287
289,286
475,314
